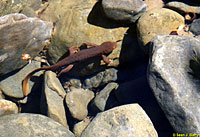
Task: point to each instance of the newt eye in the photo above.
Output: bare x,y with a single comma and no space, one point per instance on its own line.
25,56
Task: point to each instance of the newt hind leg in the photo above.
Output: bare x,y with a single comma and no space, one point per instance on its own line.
68,68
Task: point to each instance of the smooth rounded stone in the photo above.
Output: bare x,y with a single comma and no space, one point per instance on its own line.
123,121
20,34
72,28
52,100
27,7
77,101
31,125
7,107
125,11
175,89
80,127
101,78
157,21
12,85
194,27
182,7
151,4
101,99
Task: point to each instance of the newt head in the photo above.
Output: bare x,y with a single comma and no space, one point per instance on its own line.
109,46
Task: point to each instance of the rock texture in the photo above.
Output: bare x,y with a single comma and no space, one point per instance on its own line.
176,90
77,101
80,127
182,7
123,121
11,86
27,7
7,107
126,11
20,34
101,99
53,98
72,27
157,21
101,78
194,27
151,4
31,125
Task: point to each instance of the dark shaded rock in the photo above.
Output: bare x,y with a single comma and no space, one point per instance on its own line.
101,78
174,88
128,120
52,103
12,85
101,99
126,11
31,125
194,27
20,34
77,101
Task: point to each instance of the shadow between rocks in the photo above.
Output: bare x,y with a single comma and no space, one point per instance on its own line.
97,17
134,86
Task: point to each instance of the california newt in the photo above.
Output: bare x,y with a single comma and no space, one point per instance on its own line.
102,50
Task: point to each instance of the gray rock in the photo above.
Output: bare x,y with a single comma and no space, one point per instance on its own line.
77,101
31,125
182,7
101,78
100,101
194,27
125,11
27,7
12,86
169,76
80,127
124,121
7,107
20,34
53,98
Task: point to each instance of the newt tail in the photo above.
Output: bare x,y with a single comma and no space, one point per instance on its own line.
74,57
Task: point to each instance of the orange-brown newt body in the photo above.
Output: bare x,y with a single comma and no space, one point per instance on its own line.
104,48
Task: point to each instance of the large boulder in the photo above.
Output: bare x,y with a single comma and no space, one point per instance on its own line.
172,80
20,34
128,120
31,125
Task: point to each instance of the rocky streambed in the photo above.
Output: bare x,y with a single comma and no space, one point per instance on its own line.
151,88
